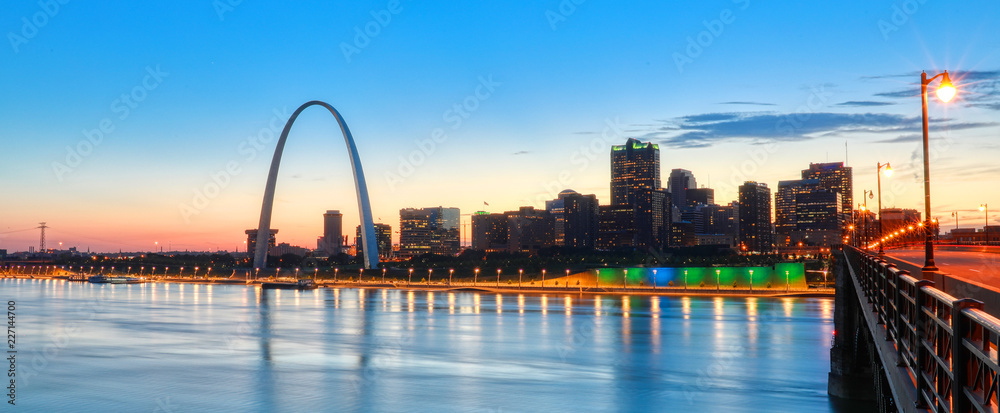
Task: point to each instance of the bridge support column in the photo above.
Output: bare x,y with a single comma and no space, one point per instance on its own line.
851,371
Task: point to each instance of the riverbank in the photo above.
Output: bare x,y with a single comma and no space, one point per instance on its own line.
525,288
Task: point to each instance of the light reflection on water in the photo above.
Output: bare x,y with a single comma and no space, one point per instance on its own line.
215,348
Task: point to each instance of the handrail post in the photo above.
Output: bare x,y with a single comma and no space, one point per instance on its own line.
898,319
959,354
920,358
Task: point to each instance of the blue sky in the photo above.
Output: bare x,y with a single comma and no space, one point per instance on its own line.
732,90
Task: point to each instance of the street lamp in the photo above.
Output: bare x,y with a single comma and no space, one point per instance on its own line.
383,275
685,280
451,271
543,278
654,279
429,272
986,229
475,278
336,271
520,274
888,173
625,279
786,281
751,281
945,92
498,278
410,280
718,279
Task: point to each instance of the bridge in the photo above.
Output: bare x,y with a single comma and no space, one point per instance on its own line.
917,341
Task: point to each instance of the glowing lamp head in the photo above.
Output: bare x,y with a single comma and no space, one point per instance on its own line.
888,170
947,89
982,207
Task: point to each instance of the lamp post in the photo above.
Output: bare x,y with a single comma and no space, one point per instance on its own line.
475,278
945,92
718,279
958,238
685,280
751,281
361,273
625,280
786,281
336,271
520,275
498,278
543,277
864,225
986,228
654,279
451,271
429,272
383,275
888,173
410,280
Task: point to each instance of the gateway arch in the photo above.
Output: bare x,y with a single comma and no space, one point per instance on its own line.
368,239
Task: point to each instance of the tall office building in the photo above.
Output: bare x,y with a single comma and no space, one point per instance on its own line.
634,166
722,220
616,227
383,238
700,196
837,177
428,230
785,217
680,181
756,235
576,219
652,218
332,241
818,218
489,232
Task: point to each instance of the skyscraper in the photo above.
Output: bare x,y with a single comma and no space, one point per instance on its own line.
680,181
428,230
332,241
756,235
575,217
784,206
837,177
700,196
634,166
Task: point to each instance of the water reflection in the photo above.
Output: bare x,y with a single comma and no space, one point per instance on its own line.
402,354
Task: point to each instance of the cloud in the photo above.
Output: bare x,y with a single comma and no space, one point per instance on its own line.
747,103
704,130
864,103
903,138
521,153
977,88
900,94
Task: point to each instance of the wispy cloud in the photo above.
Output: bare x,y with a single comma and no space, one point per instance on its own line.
704,130
521,153
977,88
864,103
747,103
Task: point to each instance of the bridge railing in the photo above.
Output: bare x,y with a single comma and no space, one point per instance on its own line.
948,345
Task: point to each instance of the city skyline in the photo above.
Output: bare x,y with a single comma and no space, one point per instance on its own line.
527,126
